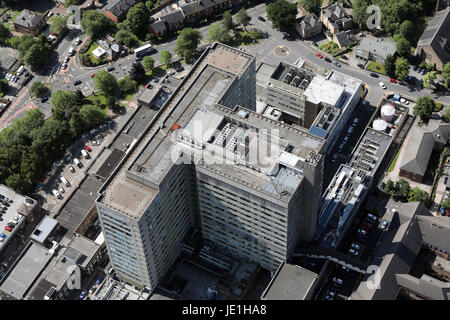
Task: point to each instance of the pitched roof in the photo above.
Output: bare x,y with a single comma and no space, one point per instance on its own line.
437,35
421,143
191,8
119,7
158,26
308,22
334,12
28,19
345,38
176,16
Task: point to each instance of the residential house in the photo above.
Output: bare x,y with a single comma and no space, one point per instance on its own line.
158,27
344,38
111,49
423,140
29,22
335,18
117,10
308,26
434,44
173,20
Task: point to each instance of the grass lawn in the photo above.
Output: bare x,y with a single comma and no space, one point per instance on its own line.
13,17
101,101
394,161
243,38
157,72
377,67
330,47
93,59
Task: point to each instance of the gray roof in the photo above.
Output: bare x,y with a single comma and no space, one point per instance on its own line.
308,22
118,7
44,229
290,282
420,145
435,231
176,16
334,12
110,163
191,8
28,19
345,38
397,252
158,26
426,286
437,35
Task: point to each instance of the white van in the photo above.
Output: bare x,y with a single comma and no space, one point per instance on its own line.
20,70
71,50
85,154
56,194
77,162
64,180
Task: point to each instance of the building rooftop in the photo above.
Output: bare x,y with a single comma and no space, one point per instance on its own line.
25,270
44,229
290,282
378,47
28,19
322,90
110,163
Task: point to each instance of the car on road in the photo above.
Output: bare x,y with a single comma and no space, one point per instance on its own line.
355,246
99,280
362,232
56,194
355,122
92,75
111,68
384,225
87,148
393,80
171,72
82,294
338,280
360,65
178,68
319,55
353,252
4,236
335,156
382,85
402,100
8,228
261,18
327,60
155,80
77,82
72,169
61,189
372,217
44,99
337,64
95,143
373,75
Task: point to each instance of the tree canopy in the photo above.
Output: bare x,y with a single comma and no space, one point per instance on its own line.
310,5
148,63
401,68
360,14
227,21
106,83
403,48
165,57
446,74
95,23
389,65
126,38
429,79
59,25
282,14
424,107
243,18
217,32
137,20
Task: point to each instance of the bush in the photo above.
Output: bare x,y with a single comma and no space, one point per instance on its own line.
126,85
438,106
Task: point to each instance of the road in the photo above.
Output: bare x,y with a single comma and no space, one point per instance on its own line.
265,51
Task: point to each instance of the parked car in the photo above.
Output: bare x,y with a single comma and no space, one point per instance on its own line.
356,246
82,294
443,212
56,194
111,68
362,232
360,65
355,122
393,80
92,75
402,100
72,169
8,228
155,80
423,72
11,225
382,85
338,280
4,236
344,57
372,217
261,18
171,72
337,64
419,70
345,269
374,75
178,68
334,158
44,99
87,148
76,82
353,252
95,143
61,189
319,55
327,60
414,67
384,225
99,280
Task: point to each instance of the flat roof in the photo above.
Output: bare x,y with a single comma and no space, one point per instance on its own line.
149,94
28,266
110,163
320,89
291,282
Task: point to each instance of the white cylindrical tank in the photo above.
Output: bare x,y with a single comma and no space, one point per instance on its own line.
387,112
380,125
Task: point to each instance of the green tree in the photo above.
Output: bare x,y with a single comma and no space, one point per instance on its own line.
126,38
16,182
243,18
389,187
401,68
407,30
59,25
148,63
446,74
36,56
187,43
64,105
403,48
227,21
310,5
218,33
446,203
137,20
137,72
38,88
424,107
165,57
417,194
106,83
389,65
92,115
4,85
429,79
95,23
446,115
126,85
282,14
360,15
4,34
402,188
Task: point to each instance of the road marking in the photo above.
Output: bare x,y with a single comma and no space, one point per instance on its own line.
28,106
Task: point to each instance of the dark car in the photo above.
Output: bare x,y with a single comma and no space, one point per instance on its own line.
99,280
111,68
44,99
374,75
260,18
344,57
327,60
178,68
414,67
423,72
77,82
360,65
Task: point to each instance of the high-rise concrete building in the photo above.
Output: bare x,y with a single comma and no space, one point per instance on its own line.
249,183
